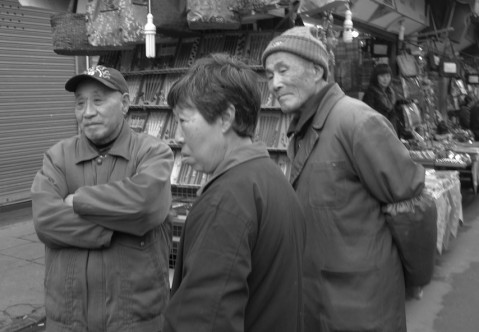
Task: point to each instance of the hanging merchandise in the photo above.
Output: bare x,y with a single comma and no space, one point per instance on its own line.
433,56
70,36
170,15
449,66
115,22
212,14
257,5
407,64
457,87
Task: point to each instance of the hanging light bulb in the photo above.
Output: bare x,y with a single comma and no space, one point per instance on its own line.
402,29
150,32
348,27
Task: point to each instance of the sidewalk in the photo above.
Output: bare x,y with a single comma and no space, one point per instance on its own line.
21,273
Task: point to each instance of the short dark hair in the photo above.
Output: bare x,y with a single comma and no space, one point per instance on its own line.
379,69
215,81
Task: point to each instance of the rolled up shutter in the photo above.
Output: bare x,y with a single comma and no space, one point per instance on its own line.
35,109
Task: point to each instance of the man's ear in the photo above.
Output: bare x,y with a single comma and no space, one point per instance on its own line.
228,118
319,70
125,102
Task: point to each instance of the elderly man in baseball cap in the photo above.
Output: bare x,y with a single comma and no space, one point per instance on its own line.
347,162
100,204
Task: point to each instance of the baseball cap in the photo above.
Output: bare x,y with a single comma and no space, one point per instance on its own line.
109,77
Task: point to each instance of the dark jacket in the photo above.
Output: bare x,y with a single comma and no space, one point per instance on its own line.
474,120
106,260
239,263
383,101
348,165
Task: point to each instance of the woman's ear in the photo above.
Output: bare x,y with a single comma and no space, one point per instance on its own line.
228,118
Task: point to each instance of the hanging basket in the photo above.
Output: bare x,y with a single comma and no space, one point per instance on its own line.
69,34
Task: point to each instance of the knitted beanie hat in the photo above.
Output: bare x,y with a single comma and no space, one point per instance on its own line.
302,42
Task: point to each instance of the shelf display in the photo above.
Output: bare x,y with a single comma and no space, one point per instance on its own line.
150,80
187,52
149,92
157,123
137,120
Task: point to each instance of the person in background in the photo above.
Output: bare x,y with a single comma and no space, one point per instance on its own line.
474,118
239,263
100,204
464,113
380,95
347,162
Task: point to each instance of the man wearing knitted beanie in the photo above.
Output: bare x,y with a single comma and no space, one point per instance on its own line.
347,163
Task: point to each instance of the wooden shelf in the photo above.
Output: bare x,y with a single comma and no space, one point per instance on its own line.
163,71
166,107
150,107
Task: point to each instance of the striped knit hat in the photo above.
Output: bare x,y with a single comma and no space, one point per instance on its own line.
301,41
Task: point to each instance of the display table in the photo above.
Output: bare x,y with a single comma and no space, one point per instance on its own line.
468,172
445,187
473,171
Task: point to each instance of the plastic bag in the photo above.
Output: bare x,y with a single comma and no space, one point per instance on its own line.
407,65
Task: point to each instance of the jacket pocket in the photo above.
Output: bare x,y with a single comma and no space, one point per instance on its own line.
328,184
352,294
61,284
143,268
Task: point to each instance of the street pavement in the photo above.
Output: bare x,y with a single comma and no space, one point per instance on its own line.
448,303
21,271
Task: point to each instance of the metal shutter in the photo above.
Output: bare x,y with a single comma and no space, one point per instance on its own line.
35,109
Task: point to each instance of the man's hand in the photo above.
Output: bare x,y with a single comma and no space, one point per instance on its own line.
69,200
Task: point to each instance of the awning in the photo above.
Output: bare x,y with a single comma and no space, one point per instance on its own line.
386,15
53,5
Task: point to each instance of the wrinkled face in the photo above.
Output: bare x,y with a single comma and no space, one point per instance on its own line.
291,79
100,111
203,144
384,80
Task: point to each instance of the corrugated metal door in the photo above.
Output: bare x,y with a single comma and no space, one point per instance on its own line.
35,109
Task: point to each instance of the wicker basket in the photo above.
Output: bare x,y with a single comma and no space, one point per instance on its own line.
70,36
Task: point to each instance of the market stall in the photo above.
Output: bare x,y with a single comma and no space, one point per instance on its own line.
445,187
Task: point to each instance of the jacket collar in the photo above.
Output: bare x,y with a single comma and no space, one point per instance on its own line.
311,137
86,151
299,124
236,157
326,105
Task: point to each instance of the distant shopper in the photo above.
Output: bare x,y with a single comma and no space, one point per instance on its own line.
347,162
100,202
380,95
464,113
474,119
239,264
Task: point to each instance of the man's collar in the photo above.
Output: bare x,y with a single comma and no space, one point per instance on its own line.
86,150
303,119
